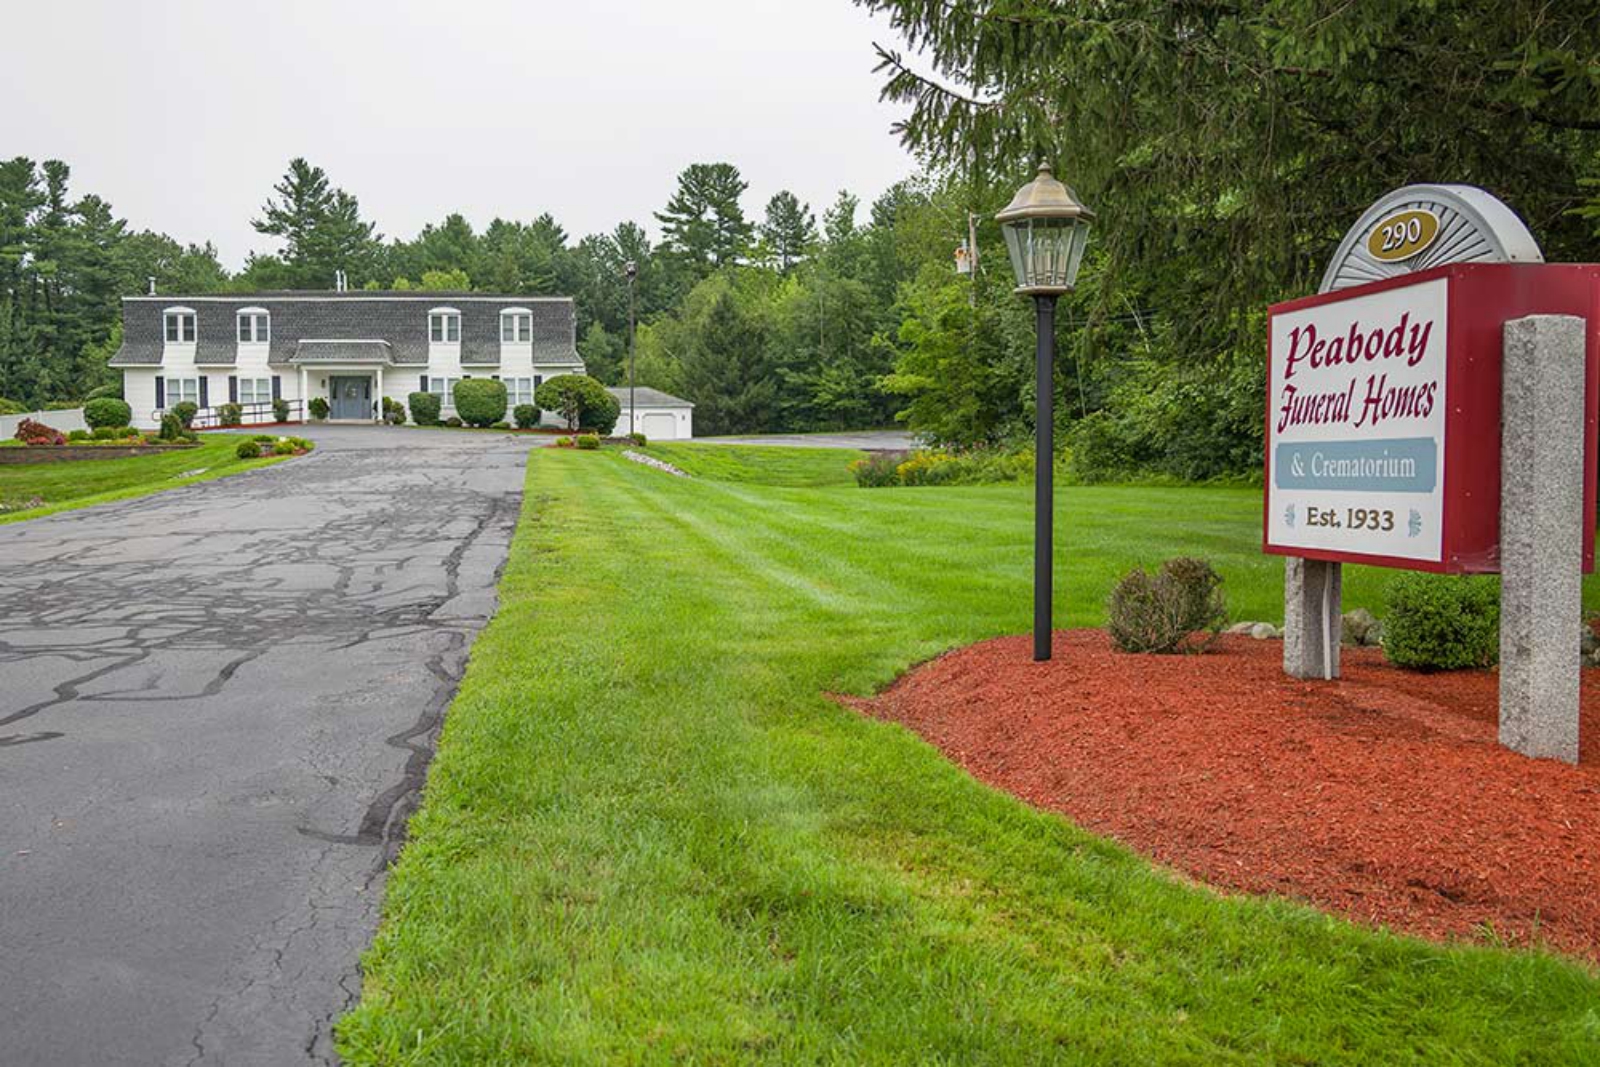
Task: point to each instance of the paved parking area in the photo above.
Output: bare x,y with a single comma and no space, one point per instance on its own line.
218,705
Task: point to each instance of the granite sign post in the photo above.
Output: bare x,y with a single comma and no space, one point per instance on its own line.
1384,436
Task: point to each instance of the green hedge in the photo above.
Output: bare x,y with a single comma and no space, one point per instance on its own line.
480,401
107,411
424,409
1440,622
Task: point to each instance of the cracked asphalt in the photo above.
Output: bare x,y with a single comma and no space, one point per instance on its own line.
216,709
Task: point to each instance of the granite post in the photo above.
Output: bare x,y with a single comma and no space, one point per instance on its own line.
1313,592
1541,534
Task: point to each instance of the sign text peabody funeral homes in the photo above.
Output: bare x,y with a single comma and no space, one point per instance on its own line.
1383,414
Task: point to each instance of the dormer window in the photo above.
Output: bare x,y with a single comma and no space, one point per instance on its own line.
180,326
444,326
254,326
516,326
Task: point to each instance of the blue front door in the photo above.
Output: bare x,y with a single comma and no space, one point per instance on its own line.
350,398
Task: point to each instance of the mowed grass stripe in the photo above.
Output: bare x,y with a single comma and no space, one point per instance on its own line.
648,837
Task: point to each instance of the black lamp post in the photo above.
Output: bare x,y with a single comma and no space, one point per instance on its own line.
1046,227
632,270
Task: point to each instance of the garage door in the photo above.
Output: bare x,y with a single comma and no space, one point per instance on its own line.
659,425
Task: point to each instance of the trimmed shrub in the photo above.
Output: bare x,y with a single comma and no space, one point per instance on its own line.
566,442
264,438
639,440
186,411
454,422
877,470
1179,609
588,441
107,411
301,444
318,408
526,415
1442,622
284,448
280,410
230,414
171,427
248,449
30,432
78,435
424,409
480,401
113,390
580,401
603,418
106,433
394,412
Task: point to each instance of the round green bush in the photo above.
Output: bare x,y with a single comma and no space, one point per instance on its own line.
280,410
186,411
639,440
107,411
113,390
1442,622
106,433
580,401
424,409
248,450
480,401
230,414
171,427
527,416
589,441
78,435
283,448
318,408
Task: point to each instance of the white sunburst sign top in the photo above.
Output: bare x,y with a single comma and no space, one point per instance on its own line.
1422,226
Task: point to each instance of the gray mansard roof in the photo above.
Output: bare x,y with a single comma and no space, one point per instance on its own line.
359,321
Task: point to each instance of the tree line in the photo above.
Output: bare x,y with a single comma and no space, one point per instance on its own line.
1226,149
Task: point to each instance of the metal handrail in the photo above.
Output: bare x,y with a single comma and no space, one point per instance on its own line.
254,414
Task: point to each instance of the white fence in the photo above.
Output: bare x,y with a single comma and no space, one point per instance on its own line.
65,421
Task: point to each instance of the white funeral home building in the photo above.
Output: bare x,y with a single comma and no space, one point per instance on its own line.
352,348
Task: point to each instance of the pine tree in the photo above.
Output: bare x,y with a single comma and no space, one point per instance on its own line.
703,225
321,228
789,231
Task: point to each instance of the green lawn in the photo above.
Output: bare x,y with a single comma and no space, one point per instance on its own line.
649,837
80,483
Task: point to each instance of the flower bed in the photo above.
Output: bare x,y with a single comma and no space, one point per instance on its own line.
1383,796
85,450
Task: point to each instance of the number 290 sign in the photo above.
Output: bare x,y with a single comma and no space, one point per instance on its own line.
1383,412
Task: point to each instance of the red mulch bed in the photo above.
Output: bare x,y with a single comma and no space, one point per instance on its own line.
1383,796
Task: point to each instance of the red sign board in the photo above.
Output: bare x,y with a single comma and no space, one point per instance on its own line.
1383,414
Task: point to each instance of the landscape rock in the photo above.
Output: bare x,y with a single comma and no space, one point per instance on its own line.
1241,628
1264,631
1587,640
1357,623
1373,638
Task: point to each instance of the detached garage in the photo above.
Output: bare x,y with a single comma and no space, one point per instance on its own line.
662,417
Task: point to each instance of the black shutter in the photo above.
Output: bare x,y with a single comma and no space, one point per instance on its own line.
205,401
233,389
424,384
161,392
277,387
538,380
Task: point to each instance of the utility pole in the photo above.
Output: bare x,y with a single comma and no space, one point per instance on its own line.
632,270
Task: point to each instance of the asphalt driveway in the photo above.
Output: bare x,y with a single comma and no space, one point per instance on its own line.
216,709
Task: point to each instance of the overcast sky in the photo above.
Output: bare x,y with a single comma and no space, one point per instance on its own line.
184,114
